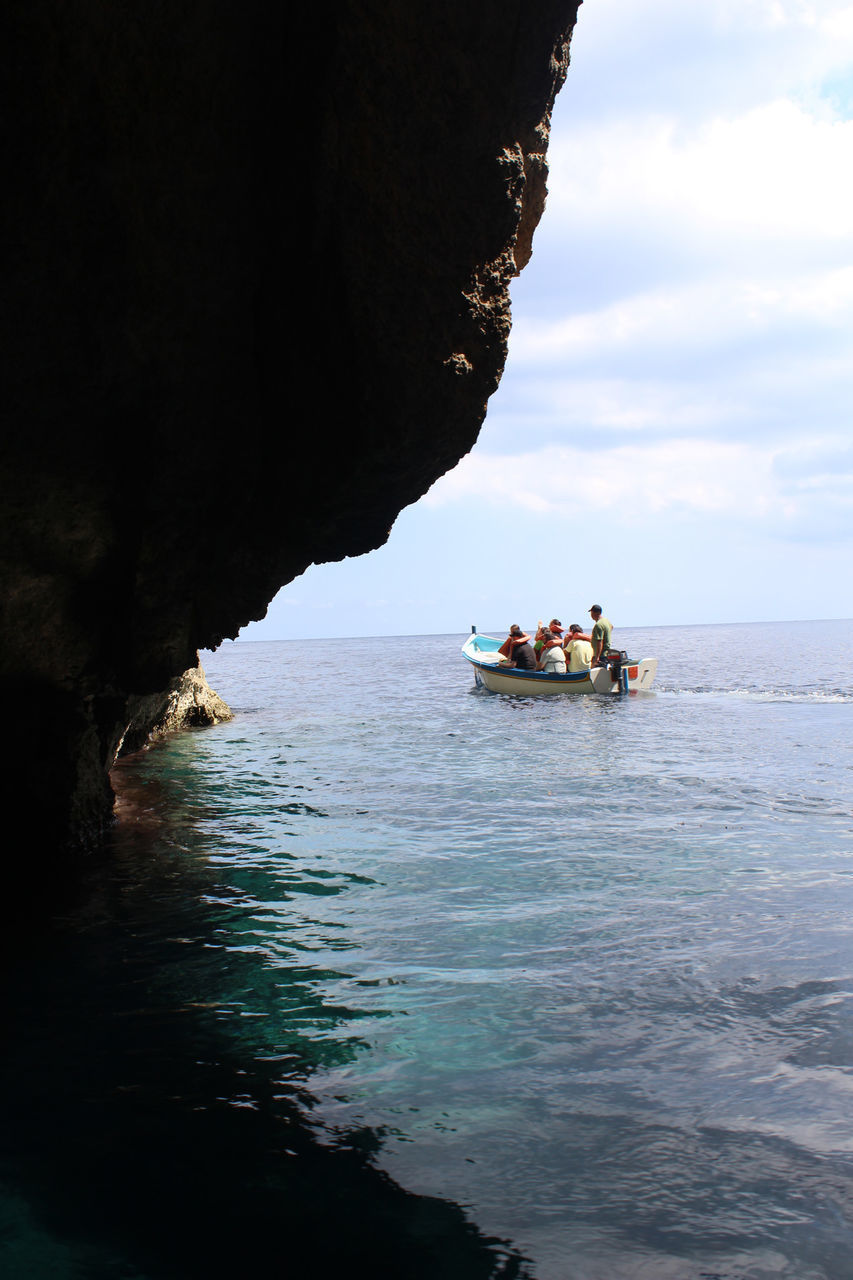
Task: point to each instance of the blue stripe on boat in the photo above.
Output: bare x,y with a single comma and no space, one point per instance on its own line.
520,673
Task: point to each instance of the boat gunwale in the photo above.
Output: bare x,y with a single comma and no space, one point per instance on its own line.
566,677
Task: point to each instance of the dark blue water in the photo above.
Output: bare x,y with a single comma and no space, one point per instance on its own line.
390,973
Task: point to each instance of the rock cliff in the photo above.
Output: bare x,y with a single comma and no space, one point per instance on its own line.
188,703
255,303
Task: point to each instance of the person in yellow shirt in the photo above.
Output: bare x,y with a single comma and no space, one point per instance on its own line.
578,648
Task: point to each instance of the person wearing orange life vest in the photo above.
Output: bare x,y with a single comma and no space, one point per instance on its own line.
517,650
555,626
578,648
552,660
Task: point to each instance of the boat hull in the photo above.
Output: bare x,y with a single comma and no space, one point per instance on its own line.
635,676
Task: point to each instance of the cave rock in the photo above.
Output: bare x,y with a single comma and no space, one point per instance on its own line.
256,301
187,703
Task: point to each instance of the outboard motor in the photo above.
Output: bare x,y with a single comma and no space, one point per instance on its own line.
614,660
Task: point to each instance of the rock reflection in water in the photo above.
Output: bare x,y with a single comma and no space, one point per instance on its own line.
149,1131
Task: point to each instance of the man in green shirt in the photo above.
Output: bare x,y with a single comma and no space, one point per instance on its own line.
602,630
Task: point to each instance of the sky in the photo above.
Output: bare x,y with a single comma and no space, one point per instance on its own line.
673,434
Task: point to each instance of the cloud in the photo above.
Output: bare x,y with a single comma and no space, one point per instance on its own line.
811,461
795,493
760,359
692,59
580,408
631,479
816,477
777,171
673,321
689,397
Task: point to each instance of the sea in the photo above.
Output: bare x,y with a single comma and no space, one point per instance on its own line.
394,977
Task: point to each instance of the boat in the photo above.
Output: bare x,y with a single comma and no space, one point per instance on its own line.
492,671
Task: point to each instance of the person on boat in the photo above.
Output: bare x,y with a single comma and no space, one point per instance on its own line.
518,650
578,648
552,659
555,626
602,632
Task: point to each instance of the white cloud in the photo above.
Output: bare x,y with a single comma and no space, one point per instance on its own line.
817,478
772,14
777,171
694,315
826,22
704,385
723,56
838,26
727,358
790,493
699,475
578,407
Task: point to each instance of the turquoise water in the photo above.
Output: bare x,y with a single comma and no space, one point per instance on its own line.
421,979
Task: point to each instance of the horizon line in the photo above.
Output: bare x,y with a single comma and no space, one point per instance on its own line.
410,635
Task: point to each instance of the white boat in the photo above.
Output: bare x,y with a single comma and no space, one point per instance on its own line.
492,671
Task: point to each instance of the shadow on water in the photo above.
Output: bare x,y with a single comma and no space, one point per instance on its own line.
144,1137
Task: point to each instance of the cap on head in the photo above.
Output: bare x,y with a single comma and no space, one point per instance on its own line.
595,608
